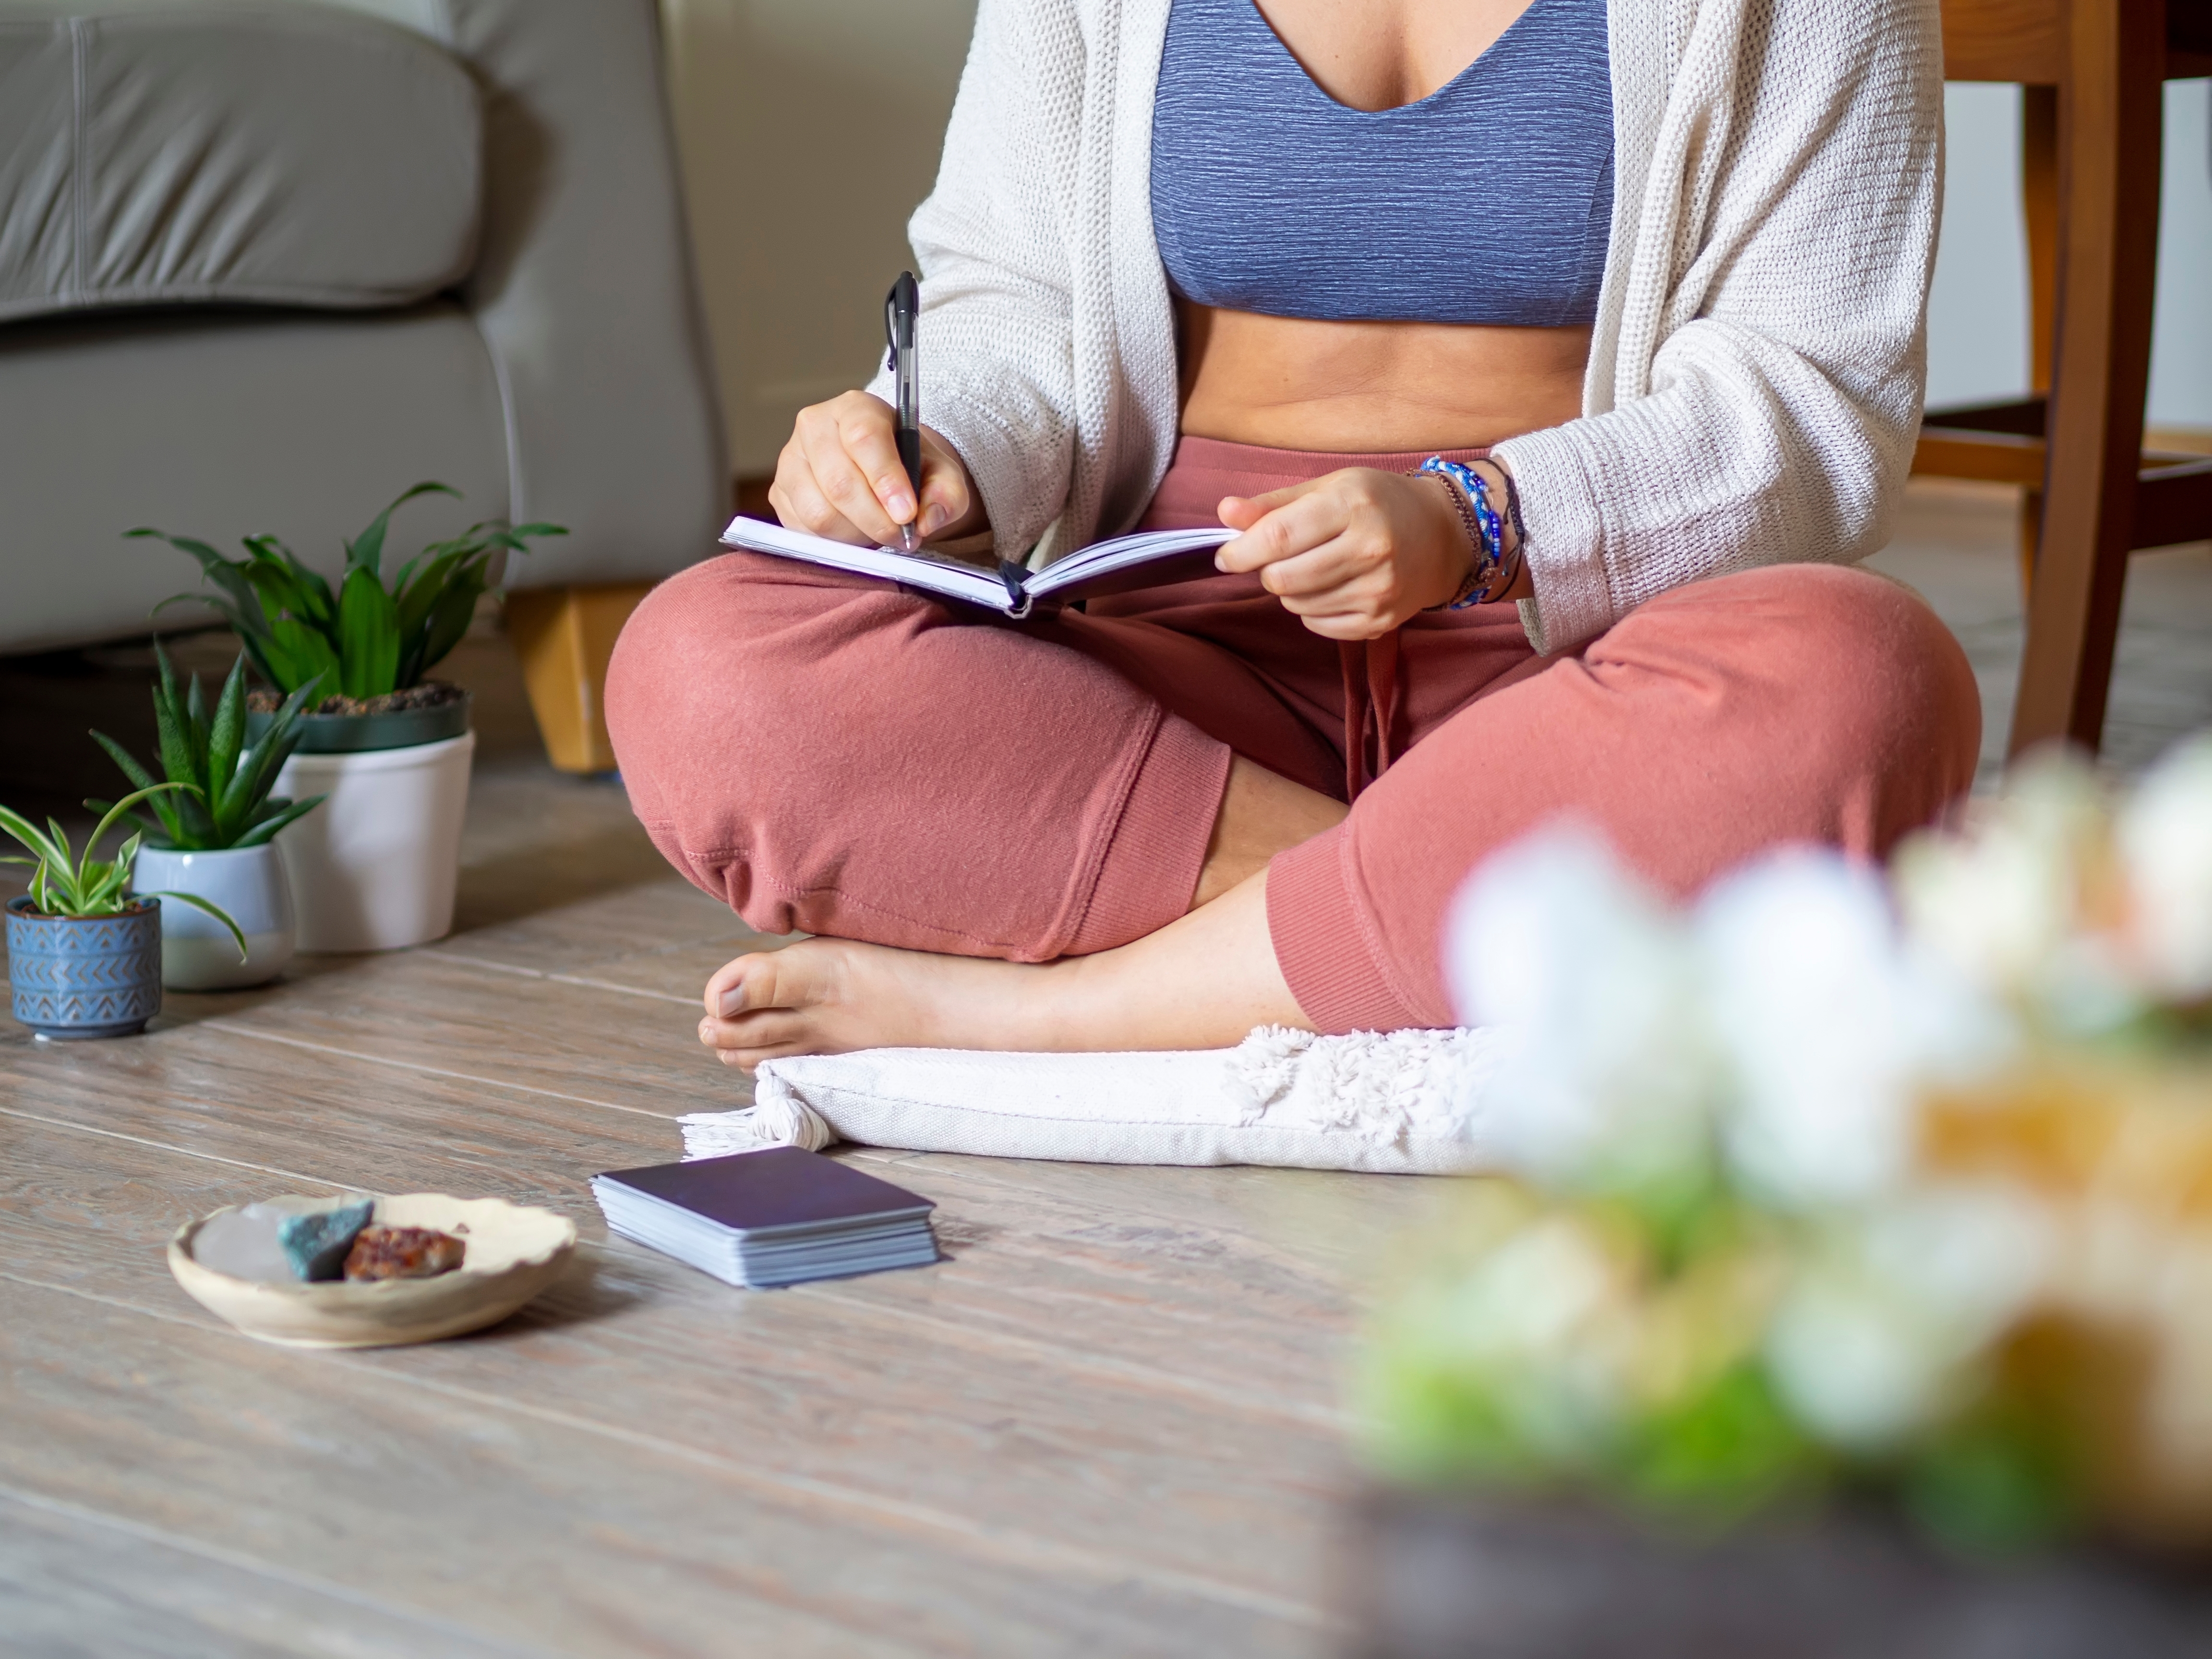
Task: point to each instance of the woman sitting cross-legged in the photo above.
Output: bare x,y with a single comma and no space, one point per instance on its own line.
1642,286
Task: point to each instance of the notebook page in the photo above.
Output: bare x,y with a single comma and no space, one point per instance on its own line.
1122,553
957,580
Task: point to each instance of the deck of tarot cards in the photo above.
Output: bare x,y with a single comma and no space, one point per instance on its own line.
772,1217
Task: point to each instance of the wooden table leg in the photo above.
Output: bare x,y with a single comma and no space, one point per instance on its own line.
564,637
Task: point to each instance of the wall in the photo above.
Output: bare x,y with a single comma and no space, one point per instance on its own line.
1978,311
809,128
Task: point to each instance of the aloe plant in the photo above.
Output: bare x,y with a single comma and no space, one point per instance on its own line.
224,800
370,636
67,882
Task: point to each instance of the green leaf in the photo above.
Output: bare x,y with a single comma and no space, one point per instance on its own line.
172,736
258,766
147,825
199,903
285,814
108,878
418,598
252,631
1997,1482
278,569
449,621
34,839
368,635
309,658
365,552
243,625
121,808
196,718
164,689
226,736
244,608
281,596
122,756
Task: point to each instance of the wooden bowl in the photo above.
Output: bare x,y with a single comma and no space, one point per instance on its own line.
513,1253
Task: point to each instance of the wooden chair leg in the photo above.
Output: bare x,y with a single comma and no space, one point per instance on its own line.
2039,180
2038,170
564,637
2031,538
2109,141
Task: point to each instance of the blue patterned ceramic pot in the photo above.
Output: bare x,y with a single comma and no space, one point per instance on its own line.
85,976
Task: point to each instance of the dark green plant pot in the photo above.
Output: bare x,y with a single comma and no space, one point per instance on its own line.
85,976
353,734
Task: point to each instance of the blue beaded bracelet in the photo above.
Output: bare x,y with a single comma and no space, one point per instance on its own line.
1486,530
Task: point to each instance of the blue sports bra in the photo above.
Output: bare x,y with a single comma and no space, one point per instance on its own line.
1489,201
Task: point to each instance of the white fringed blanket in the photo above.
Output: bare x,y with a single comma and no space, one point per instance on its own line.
1399,1102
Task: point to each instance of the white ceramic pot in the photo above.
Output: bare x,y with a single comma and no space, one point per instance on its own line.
373,867
197,952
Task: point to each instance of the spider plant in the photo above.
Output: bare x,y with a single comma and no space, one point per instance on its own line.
370,636
224,800
76,885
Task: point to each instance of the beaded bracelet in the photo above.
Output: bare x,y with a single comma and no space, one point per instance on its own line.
1490,573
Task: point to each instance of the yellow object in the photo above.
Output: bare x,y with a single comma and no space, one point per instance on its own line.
2120,1347
564,637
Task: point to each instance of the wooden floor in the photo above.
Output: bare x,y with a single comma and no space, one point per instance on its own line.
1955,542
1109,1423
1106,1425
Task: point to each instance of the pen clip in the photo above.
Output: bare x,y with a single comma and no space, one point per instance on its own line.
900,306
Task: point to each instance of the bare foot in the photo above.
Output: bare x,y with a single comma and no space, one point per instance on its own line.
1200,982
825,996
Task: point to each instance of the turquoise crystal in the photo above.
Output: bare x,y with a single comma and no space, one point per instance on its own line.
315,1244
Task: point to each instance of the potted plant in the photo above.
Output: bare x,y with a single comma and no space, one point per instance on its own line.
84,953
215,836
388,748
1849,1291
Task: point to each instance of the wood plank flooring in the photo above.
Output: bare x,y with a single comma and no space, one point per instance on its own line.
1109,1423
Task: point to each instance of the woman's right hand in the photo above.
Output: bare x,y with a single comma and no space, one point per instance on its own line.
840,477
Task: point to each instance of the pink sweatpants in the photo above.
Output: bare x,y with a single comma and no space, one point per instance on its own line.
831,754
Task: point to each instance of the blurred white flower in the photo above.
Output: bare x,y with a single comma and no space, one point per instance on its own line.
2011,905
1533,1320
1831,1024
1879,1335
2164,836
1999,903
1607,1078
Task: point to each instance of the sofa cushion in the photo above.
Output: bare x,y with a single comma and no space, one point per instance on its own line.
275,154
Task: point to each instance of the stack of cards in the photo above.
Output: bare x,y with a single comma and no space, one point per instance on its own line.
769,1218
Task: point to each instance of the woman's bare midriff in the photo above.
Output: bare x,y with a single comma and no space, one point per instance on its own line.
1369,388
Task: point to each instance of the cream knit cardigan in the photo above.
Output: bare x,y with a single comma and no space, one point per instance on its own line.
1755,376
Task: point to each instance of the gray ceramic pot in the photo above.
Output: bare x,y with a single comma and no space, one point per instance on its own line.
247,884
85,976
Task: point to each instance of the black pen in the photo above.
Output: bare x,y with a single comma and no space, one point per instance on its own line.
899,308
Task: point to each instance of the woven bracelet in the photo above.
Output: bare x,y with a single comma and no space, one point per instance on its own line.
1470,496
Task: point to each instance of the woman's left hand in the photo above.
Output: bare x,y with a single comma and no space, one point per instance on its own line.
1352,553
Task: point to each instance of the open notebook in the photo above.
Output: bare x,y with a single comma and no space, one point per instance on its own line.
1153,558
